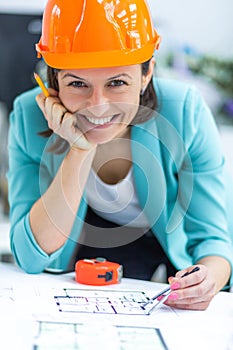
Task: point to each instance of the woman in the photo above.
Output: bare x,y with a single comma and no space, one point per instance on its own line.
114,162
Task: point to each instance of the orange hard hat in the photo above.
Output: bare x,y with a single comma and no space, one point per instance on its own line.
96,33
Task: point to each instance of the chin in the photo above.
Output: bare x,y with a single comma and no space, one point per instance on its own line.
101,138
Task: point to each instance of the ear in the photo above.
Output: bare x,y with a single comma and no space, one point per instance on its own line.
146,78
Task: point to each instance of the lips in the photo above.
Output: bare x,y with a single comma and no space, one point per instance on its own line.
99,121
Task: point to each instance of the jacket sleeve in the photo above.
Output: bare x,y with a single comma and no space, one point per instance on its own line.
24,177
206,222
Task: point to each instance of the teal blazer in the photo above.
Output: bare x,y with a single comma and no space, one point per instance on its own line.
179,174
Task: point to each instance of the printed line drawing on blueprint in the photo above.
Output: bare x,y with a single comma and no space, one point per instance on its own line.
102,301
53,336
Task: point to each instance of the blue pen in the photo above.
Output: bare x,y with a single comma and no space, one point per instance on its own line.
168,289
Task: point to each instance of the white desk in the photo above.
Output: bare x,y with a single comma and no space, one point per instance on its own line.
24,298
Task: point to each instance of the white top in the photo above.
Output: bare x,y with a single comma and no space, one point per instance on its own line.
117,203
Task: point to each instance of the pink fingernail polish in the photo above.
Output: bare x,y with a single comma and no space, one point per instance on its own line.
175,285
173,296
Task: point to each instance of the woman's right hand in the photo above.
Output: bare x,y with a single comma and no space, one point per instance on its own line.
61,121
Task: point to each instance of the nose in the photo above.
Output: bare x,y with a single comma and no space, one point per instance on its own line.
98,104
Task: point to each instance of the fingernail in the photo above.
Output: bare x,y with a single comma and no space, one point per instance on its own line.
175,285
173,296
160,297
170,279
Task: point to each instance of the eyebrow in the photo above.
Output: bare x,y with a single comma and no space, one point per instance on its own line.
120,75
69,75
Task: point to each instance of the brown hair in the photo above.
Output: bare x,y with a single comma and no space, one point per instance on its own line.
147,106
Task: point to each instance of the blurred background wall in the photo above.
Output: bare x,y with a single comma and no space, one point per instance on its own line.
207,25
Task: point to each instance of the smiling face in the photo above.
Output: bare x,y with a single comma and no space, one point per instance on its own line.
104,100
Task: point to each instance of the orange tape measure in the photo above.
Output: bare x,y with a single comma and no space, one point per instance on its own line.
98,272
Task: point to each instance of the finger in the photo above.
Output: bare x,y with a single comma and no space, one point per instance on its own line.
40,99
174,299
189,271
200,305
180,281
54,110
53,92
67,129
58,113
200,293
79,140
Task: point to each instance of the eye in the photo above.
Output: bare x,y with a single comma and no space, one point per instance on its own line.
117,82
77,83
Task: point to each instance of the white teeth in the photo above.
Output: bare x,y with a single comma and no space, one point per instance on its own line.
99,121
